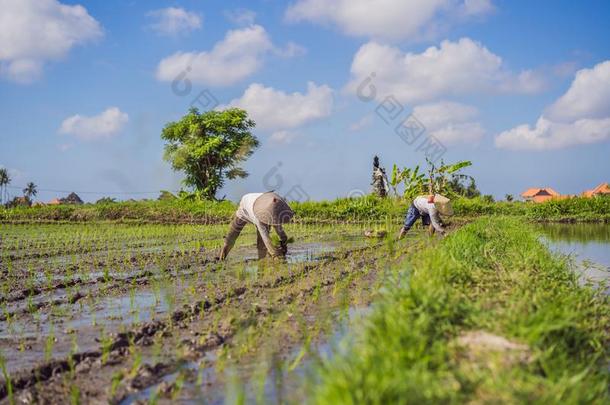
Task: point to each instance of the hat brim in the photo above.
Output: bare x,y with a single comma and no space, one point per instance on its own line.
271,209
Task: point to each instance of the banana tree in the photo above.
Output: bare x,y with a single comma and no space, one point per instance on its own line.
438,179
413,181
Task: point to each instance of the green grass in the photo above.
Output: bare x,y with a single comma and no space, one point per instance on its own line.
366,208
572,209
492,275
150,211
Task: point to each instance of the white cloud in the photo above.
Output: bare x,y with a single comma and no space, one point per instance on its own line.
282,137
241,16
234,58
64,146
553,135
33,32
587,97
450,122
276,110
173,21
291,50
386,19
362,123
453,68
477,7
580,116
104,125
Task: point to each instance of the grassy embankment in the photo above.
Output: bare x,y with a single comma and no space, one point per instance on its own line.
491,280
342,209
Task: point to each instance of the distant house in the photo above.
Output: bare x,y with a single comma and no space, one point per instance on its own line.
539,195
20,202
72,198
602,189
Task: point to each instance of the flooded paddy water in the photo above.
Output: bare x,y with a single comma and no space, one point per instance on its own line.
124,313
588,244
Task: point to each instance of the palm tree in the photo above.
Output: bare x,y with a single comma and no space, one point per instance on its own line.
30,190
5,180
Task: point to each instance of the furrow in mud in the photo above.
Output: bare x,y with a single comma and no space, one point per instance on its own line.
150,375
143,278
142,334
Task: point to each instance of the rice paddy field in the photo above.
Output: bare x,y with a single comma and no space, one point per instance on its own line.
107,312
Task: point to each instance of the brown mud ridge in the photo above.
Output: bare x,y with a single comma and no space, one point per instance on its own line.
40,383
40,254
183,264
109,283
76,219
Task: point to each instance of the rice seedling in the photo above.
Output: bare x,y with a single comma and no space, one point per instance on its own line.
49,344
7,379
491,275
132,278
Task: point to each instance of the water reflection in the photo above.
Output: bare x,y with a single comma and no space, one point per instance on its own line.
588,243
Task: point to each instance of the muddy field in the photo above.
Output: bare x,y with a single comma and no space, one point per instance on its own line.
98,313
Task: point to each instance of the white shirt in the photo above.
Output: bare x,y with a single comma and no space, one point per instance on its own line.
246,208
426,208
245,211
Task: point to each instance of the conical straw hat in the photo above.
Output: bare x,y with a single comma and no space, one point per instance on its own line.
271,209
443,205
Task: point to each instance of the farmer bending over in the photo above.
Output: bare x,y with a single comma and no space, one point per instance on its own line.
263,210
428,208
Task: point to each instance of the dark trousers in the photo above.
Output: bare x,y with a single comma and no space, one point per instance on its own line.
235,229
413,215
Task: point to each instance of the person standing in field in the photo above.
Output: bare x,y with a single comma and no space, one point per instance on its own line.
263,210
380,179
429,208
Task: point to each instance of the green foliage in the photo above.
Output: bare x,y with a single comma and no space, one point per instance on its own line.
491,276
209,147
19,202
413,181
368,208
7,379
30,190
445,179
106,200
458,187
175,211
165,195
441,177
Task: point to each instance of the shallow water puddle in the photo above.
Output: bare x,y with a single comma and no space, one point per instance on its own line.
278,378
588,243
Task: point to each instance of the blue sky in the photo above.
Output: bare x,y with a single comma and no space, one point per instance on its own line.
520,88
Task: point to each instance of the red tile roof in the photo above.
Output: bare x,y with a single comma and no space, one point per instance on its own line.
603,188
545,191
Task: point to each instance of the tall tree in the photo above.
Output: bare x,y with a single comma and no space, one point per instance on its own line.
209,147
30,190
5,180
